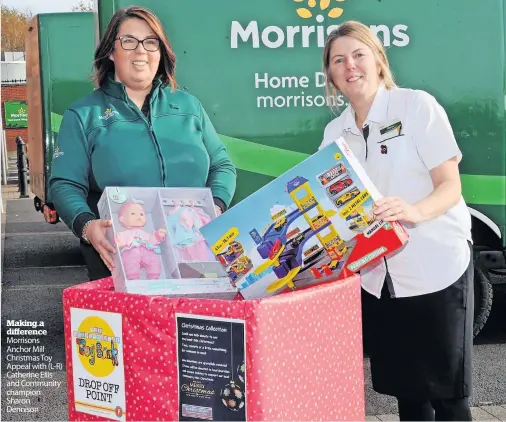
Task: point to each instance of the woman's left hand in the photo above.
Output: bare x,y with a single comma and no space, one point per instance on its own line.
393,208
218,210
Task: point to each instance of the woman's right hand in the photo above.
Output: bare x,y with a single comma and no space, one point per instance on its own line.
96,234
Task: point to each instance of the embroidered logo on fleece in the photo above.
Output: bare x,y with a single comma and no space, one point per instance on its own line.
57,153
109,112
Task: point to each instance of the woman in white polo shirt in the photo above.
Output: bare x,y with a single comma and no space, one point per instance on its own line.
418,302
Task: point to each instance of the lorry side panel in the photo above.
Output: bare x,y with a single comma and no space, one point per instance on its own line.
36,148
255,67
60,71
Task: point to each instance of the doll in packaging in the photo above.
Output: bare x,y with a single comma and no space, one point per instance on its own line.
138,247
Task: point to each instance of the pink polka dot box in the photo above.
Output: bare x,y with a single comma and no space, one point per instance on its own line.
132,357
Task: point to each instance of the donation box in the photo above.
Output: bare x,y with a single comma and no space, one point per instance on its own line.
293,356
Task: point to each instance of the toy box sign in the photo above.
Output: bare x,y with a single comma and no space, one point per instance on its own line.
312,223
98,370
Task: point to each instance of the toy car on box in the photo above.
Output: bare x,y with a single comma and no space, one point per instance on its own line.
313,223
160,250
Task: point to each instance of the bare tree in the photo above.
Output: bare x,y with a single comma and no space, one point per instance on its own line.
14,25
84,6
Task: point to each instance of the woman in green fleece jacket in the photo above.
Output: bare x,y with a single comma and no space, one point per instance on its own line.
136,129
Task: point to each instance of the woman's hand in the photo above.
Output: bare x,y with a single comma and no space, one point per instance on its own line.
218,210
393,208
96,234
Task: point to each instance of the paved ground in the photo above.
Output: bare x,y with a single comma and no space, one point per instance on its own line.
483,413
41,260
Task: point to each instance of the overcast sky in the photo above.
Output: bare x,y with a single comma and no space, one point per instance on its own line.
42,6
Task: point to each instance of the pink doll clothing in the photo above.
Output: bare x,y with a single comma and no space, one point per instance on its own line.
202,217
140,249
184,224
196,252
140,257
130,236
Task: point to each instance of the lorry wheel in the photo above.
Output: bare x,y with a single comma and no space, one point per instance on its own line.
483,295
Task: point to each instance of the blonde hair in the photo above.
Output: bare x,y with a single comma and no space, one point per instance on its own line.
362,33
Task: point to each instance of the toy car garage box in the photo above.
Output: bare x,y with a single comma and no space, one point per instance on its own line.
290,357
159,247
312,223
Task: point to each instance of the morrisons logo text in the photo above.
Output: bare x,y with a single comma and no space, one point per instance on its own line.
305,35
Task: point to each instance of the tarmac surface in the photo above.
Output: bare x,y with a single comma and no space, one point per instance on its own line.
41,260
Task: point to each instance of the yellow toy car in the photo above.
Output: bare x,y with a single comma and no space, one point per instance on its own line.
279,223
346,197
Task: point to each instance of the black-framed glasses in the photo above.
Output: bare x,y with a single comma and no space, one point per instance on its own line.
131,43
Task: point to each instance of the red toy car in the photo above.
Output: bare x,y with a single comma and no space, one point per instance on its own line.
340,185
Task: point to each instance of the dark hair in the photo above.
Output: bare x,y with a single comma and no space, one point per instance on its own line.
104,65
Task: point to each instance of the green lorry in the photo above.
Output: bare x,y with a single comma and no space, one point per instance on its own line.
256,67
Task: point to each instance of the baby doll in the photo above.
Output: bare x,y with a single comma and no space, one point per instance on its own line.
138,248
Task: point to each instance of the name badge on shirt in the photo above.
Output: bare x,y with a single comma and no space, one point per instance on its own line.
391,130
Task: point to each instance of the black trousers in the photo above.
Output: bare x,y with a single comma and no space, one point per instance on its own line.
95,266
434,410
420,348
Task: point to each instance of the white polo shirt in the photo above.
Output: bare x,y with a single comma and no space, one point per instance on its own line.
437,252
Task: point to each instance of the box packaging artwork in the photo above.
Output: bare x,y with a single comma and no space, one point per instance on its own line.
311,224
159,247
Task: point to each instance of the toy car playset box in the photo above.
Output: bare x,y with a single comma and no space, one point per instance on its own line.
159,247
295,357
311,224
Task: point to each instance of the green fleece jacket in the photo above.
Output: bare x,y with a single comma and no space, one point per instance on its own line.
105,140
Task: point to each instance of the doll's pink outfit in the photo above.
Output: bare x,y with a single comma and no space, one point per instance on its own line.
184,224
140,249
